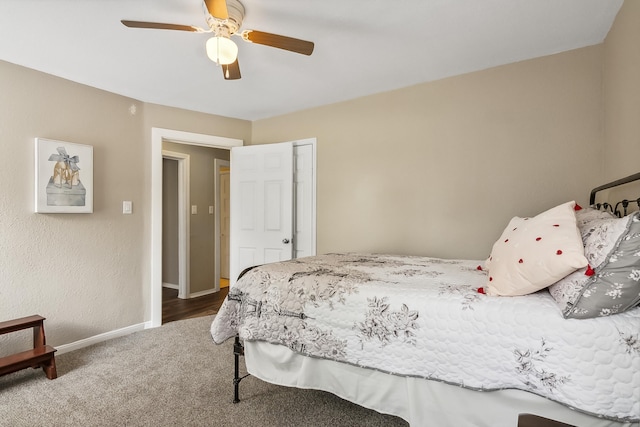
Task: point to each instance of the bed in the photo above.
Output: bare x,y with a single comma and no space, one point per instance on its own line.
548,324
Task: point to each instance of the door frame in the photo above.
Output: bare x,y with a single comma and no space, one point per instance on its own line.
217,165
158,136
314,191
184,225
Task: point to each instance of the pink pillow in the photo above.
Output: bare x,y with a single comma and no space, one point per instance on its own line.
533,253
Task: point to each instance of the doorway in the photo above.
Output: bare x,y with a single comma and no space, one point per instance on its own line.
175,223
199,212
158,136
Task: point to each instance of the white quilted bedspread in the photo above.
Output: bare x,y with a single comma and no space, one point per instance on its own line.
423,317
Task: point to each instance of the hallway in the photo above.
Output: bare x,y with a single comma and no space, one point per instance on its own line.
174,308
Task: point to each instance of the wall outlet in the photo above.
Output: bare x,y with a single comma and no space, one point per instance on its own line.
211,210
127,207
194,209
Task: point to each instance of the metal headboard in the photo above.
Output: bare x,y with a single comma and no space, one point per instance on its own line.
615,209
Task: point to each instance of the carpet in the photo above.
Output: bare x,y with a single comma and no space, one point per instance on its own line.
173,375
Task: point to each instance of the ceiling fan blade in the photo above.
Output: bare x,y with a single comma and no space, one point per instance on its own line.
217,8
281,42
159,26
231,71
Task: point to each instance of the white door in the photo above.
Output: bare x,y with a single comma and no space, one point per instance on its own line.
261,206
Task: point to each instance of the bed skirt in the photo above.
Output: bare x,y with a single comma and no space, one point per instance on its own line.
420,402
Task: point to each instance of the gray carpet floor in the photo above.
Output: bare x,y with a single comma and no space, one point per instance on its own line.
169,376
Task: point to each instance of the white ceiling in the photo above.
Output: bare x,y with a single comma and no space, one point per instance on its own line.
361,46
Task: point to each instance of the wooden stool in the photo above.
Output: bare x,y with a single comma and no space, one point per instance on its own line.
40,356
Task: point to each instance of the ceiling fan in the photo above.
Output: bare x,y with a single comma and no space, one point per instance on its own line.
224,18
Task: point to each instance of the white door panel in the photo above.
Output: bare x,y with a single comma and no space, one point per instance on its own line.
261,205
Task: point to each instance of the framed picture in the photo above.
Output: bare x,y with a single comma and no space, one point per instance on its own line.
64,177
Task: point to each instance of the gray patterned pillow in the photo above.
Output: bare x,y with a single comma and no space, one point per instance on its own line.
612,245
585,215
599,231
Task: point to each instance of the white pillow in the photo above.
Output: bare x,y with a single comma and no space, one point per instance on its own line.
533,253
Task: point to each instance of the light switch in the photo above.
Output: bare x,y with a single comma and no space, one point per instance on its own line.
194,209
127,207
211,210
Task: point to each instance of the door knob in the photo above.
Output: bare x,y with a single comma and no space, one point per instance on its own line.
285,241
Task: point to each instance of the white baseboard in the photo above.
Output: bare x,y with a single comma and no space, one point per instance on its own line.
202,293
77,345
194,295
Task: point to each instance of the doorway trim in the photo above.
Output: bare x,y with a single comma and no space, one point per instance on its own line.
218,164
184,225
158,135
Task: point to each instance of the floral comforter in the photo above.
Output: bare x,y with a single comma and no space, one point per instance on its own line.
423,317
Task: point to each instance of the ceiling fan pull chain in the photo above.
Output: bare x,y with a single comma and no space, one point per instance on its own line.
218,50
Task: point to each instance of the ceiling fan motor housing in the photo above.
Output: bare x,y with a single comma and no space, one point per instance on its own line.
229,26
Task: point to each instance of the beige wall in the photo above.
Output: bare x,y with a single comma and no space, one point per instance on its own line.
81,271
439,168
622,94
86,273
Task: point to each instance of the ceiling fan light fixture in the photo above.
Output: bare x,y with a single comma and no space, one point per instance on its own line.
222,50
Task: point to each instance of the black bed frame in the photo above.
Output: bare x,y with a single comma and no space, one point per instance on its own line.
615,209
238,350
238,346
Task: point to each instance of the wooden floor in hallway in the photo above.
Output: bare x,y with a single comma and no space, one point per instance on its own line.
174,308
